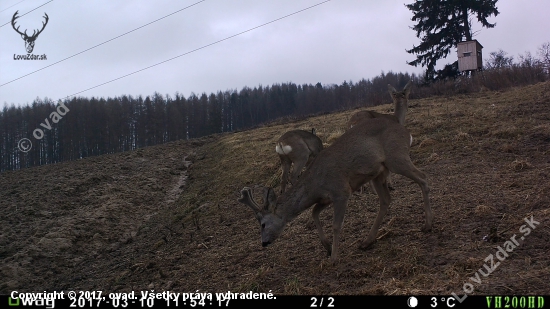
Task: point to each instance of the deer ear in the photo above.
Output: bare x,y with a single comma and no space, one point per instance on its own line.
391,89
407,88
270,198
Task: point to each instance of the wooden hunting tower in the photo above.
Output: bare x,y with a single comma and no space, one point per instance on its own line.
469,56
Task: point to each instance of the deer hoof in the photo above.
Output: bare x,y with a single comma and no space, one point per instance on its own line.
426,228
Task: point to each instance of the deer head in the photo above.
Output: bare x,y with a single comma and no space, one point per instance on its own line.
29,40
271,224
400,99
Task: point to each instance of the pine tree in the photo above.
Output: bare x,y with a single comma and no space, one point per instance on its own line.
441,25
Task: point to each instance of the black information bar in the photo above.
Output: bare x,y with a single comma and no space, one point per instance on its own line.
240,300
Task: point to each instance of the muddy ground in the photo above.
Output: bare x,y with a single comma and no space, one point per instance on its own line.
167,217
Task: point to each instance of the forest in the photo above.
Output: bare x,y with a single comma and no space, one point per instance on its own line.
95,126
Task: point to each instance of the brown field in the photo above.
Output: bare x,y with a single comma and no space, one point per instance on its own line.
146,219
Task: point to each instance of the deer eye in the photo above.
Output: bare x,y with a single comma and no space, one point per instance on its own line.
263,225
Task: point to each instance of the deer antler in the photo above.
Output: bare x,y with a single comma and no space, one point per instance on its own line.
43,26
34,34
13,24
247,199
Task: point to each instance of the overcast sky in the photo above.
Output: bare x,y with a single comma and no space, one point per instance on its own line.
332,42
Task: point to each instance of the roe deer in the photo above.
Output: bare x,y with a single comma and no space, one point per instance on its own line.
400,101
366,152
298,147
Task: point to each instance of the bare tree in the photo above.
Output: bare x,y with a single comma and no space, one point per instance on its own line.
544,54
499,60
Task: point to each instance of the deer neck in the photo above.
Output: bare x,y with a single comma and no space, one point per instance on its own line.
294,202
401,111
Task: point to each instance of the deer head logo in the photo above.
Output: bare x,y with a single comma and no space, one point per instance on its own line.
29,40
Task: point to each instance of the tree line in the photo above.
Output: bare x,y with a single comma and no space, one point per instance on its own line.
81,127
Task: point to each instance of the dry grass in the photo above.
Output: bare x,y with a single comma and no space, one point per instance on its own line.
472,147
486,156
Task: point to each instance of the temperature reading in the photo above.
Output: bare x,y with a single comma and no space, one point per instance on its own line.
450,302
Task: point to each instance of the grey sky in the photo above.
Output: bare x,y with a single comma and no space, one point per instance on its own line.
336,41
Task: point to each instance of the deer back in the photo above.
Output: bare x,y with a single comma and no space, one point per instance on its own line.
362,115
358,155
299,141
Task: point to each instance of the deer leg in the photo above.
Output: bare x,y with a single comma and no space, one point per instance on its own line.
340,205
381,188
389,182
285,162
371,187
407,169
297,169
309,160
315,214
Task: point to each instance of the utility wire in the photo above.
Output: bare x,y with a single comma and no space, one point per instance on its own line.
154,21
27,12
12,6
194,50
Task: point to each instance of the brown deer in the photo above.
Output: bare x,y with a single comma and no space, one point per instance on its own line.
400,101
366,152
29,40
297,147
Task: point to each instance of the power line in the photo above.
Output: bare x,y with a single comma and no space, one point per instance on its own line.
27,12
12,6
194,50
154,21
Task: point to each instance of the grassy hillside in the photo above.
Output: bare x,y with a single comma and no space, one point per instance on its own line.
149,220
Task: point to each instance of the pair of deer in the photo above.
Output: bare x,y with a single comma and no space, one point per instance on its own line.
375,145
